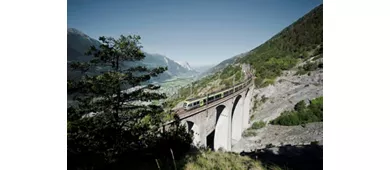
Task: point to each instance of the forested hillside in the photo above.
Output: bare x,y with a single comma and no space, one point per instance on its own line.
299,41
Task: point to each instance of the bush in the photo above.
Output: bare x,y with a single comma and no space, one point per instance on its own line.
314,143
300,106
255,105
258,125
309,66
263,99
302,114
269,145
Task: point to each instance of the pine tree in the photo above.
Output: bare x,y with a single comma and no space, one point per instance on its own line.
105,124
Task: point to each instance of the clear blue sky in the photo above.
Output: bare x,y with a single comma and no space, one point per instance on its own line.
200,32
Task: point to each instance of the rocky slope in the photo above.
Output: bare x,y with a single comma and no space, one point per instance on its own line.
288,90
280,136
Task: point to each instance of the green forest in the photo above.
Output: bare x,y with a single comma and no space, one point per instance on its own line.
299,41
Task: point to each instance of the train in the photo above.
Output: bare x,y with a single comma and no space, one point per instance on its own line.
193,103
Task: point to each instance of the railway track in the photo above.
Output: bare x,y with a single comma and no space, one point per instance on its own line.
183,113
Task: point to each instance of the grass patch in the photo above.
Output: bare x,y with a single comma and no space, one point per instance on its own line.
249,133
219,161
302,114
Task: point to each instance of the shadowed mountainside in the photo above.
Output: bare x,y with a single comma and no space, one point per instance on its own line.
307,157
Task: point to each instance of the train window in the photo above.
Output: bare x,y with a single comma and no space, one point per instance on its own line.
197,103
190,105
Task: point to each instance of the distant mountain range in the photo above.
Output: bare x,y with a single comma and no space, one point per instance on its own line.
185,65
79,43
213,69
202,69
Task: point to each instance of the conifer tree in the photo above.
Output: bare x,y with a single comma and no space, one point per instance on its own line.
105,124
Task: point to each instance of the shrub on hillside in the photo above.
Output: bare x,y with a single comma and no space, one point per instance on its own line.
301,114
263,99
300,106
309,66
258,125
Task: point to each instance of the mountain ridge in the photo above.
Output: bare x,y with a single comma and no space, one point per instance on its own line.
296,42
79,42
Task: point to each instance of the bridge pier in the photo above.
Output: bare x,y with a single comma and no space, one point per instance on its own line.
223,120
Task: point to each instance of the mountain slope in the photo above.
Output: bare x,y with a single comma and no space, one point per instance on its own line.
299,41
296,43
222,65
186,65
202,69
79,43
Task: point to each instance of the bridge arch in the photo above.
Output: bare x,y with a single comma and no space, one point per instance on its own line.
194,129
237,118
221,138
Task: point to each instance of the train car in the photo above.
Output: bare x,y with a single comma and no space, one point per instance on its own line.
201,101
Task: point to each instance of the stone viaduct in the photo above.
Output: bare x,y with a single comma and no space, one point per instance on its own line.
220,124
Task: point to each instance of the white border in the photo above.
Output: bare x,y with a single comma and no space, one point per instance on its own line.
33,84
356,84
